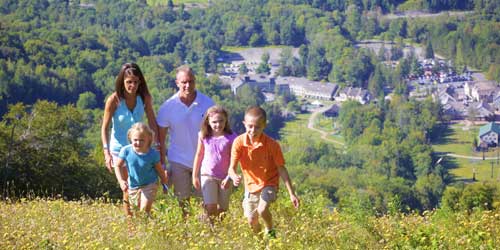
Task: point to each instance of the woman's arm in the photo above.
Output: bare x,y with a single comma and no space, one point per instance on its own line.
109,110
150,114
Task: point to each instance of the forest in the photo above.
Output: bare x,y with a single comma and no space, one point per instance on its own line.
59,59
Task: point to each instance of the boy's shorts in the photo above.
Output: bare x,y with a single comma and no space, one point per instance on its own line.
213,193
144,193
251,201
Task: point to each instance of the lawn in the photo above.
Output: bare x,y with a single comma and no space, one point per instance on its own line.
465,169
458,139
298,128
324,123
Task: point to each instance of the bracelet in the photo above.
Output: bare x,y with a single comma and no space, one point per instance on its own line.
105,146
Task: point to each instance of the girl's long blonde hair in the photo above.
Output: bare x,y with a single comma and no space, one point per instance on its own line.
206,130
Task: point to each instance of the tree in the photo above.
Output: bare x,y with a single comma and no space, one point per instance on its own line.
477,195
243,70
396,52
353,20
376,83
263,67
249,96
429,190
429,52
493,72
381,53
318,67
86,100
49,156
289,65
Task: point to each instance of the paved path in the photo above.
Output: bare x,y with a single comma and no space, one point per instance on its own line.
470,157
421,14
324,134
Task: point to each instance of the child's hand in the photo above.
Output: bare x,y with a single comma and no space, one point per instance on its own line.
124,186
164,178
225,183
165,188
196,183
236,179
295,200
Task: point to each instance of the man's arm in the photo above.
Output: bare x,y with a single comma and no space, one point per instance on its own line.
288,183
200,150
162,132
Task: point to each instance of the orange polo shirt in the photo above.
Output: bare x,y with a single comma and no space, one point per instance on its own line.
259,163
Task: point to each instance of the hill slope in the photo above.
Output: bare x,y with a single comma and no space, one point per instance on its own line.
98,224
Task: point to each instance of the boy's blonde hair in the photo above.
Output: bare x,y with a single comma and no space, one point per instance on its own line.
142,128
257,112
206,130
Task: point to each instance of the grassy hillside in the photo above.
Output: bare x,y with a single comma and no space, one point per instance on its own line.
99,224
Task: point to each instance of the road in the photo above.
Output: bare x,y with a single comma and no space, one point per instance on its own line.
421,14
324,134
470,157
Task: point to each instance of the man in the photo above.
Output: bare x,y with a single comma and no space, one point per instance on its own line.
180,116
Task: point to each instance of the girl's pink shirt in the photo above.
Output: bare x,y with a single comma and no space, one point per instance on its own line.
217,155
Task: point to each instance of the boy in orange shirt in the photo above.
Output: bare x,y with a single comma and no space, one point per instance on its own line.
262,164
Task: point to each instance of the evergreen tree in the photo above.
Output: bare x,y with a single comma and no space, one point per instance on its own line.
264,67
429,51
376,82
243,69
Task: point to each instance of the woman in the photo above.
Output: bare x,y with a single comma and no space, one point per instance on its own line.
124,107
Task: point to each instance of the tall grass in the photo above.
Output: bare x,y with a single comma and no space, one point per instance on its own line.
100,224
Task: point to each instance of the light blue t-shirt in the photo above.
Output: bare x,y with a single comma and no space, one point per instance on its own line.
122,120
141,167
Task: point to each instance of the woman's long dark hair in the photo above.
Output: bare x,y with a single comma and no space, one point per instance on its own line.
131,69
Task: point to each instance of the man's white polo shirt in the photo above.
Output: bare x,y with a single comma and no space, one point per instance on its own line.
183,124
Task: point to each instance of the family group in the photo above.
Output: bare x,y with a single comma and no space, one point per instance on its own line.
202,152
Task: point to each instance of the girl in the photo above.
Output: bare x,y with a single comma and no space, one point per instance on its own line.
212,158
143,166
124,107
